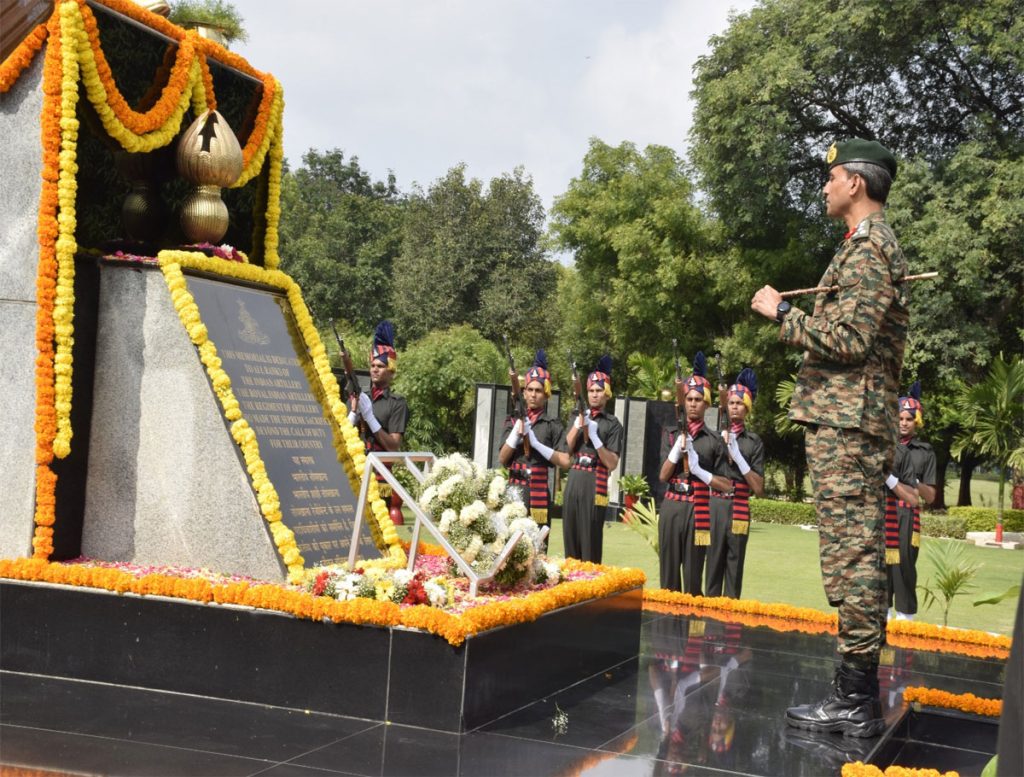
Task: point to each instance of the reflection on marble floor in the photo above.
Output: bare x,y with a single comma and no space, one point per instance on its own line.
703,697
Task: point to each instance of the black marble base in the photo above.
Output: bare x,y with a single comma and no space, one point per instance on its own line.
395,675
698,696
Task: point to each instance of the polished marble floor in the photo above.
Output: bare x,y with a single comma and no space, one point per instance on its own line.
703,697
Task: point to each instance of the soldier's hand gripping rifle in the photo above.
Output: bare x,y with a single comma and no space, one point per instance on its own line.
680,404
351,381
517,396
577,395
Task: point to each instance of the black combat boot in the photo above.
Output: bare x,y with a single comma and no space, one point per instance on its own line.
851,708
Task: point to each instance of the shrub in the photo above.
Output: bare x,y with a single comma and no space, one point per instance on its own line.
775,511
934,525
984,518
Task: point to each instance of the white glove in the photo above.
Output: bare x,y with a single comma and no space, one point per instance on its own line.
892,481
353,417
515,436
578,423
737,457
366,411
694,460
677,450
594,439
538,446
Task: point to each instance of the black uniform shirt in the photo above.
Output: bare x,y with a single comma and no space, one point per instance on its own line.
903,466
922,459
608,429
752,449
710,449
392,411
548,430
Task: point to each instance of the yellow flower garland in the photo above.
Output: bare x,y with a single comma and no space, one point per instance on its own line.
241,432
351,453
860,769
67,187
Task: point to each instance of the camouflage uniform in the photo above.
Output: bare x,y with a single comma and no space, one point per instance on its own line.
846,396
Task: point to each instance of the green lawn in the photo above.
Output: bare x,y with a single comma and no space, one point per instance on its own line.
782,566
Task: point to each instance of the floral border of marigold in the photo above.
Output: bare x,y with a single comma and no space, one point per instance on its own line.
349,447
74,56
964,702
901,633
453,628
861,769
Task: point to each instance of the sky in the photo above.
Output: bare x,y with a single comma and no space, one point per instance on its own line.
417,87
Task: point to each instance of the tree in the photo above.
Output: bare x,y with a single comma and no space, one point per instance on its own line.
942,84
340,233
473,256
640,246
993,419
438,376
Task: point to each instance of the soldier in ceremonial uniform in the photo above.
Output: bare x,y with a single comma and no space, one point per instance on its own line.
846,395
531,447
594,445
382,416
911,484
730,510
684,525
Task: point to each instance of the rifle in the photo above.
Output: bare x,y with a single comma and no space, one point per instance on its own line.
723,394
351,380
680,402
577,395
517,394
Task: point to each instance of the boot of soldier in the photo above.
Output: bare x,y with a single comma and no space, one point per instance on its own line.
851,708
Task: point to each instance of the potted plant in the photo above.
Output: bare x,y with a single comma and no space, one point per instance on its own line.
634,487
217,20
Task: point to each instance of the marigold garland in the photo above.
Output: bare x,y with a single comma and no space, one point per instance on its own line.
22,56
860,769
350,449
46,287
964,702
454,628
901,633
75,55
241,432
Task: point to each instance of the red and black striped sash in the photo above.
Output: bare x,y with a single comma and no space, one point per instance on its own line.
892,529
741,507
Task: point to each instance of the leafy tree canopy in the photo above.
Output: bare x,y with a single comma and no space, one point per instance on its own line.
340,233
473,255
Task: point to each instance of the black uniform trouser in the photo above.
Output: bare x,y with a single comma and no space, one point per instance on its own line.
676,548
726,553
582,520
903,576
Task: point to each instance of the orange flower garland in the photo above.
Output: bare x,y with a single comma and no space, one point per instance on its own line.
454,628
860,769
915,634
46,287
965,702
163,109
22,56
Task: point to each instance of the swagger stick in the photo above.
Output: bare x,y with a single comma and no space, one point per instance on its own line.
827,289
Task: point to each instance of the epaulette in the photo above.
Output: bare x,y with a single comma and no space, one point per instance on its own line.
862,231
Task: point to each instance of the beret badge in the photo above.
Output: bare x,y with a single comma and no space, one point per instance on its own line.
831,156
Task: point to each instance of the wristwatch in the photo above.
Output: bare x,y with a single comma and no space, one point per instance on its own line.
782,310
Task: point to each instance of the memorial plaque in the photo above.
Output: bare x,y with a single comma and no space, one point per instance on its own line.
263,354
